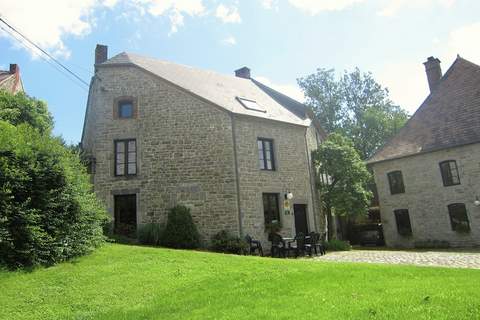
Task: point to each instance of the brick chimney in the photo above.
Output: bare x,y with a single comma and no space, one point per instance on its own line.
14,68
243,73
434,72
101,54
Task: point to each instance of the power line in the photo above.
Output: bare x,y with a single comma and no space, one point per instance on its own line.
44,52
37,54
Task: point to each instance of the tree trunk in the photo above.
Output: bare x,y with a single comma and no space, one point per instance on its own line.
331,228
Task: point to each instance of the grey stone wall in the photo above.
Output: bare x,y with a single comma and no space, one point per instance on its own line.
291,174
427,199
184,150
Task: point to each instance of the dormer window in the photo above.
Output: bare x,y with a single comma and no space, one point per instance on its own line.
125,108
251,105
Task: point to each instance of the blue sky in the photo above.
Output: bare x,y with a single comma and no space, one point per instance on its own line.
279,40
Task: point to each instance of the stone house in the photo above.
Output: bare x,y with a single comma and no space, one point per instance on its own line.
10,80
228,147
428,175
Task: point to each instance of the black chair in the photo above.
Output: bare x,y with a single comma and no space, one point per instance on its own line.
316,243
299,246
254,245
321,243
278,245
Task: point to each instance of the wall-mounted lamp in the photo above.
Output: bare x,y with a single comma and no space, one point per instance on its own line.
476,202
289,195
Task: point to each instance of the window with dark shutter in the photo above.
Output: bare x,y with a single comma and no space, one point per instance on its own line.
458,217
271,210
449,171
402,217
395,180
125,157
265,154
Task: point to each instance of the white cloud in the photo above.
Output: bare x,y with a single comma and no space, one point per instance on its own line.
228,15
47,22
291,90
394,6
229,41
314,7
463,41
406,81
176,10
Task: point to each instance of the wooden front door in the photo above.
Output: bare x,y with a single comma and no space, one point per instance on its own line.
300,212
126,215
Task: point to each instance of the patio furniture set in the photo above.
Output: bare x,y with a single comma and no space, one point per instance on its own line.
283,247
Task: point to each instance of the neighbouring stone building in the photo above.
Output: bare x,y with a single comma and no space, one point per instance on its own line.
428,175
228,147
10,80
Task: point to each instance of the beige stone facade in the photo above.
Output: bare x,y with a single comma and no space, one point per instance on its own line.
426,198
191,152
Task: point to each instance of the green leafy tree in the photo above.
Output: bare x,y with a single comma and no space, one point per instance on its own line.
20,108
354,105
342,178
48,212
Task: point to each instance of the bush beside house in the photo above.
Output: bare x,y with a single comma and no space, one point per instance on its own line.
48,212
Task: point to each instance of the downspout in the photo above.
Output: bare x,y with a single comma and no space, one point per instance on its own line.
312,182
237,180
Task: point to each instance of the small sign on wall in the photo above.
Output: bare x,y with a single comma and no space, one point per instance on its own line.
287,209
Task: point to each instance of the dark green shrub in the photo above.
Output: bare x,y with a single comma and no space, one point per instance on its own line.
227,243
180,231
150,234
337,245
48,212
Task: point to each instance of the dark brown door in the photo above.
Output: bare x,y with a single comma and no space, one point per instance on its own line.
126,215
300,212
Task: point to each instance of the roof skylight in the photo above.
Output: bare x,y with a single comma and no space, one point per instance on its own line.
251,105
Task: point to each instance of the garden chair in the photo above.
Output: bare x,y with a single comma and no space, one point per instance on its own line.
300,246
316,243
254,245
278,245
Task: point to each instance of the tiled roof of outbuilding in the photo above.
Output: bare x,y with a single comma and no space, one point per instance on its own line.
221,90
449,117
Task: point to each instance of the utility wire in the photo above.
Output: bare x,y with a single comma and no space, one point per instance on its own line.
44,52
37,54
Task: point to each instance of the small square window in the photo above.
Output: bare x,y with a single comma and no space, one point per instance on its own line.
125,109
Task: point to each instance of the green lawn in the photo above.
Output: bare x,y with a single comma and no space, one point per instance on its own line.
130,282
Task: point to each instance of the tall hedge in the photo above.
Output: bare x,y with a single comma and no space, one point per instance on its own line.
48,212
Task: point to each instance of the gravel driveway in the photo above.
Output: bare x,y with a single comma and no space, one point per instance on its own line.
450,259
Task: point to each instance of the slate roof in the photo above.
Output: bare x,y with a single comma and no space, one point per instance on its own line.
449,117
221,90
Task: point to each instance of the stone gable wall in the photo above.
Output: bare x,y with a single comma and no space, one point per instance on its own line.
426,198
184,150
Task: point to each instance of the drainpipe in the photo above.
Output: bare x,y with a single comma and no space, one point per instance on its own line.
237,180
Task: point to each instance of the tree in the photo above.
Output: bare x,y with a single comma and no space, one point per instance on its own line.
48,212
20,108
354,105
342,178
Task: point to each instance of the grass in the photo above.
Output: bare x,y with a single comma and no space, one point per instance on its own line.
132,282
